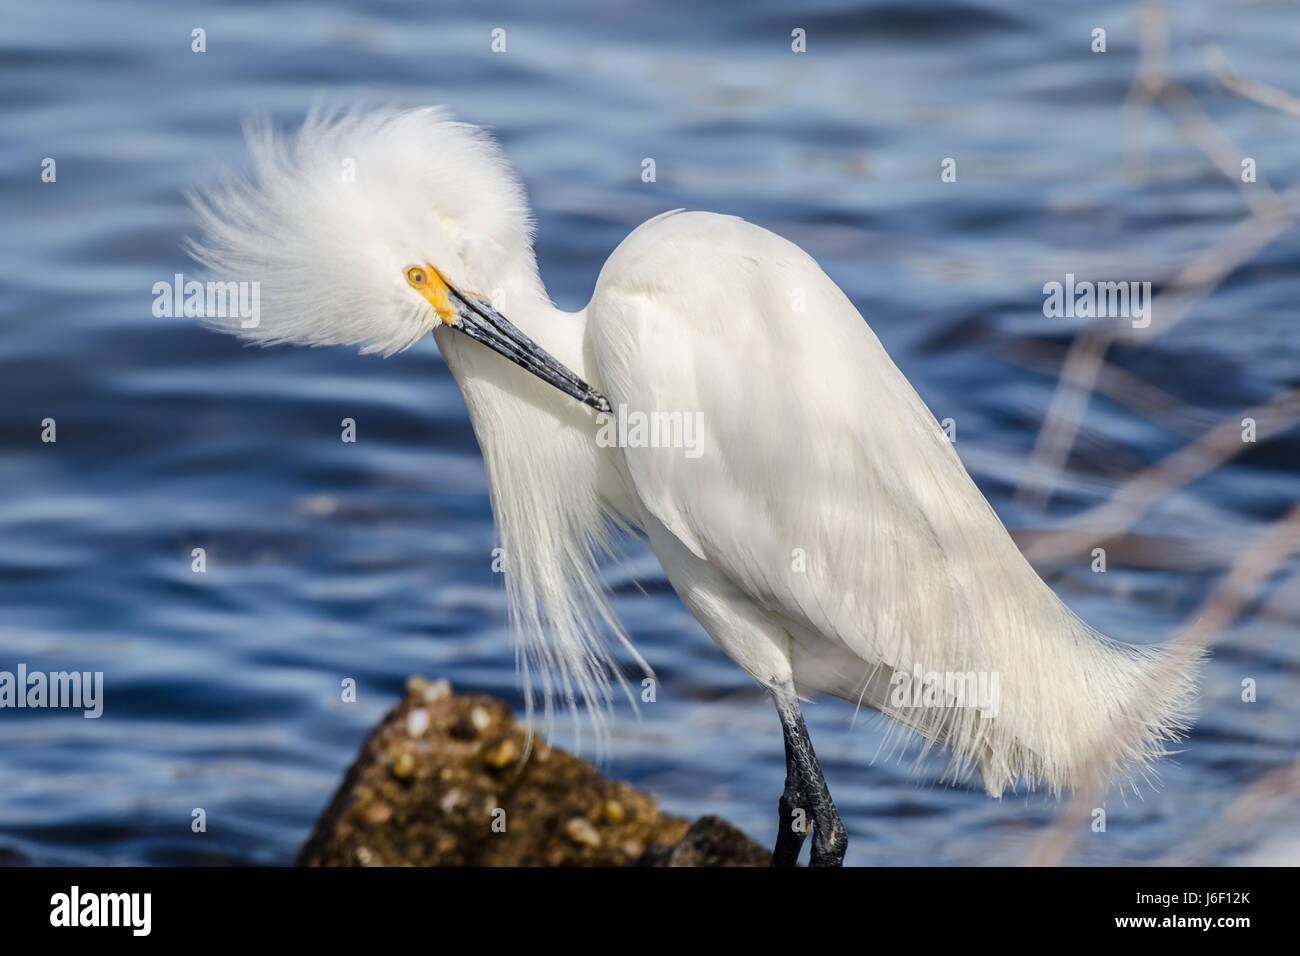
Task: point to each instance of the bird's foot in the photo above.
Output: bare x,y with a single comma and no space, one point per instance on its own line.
830,839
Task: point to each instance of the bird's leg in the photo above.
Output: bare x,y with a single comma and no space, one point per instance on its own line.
806,795
793,816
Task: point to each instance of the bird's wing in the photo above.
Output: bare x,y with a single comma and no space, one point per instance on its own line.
810,468
822,488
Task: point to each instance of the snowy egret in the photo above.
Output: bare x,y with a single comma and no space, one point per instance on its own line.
823,532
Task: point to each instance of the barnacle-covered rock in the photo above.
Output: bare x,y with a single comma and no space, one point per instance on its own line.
450,780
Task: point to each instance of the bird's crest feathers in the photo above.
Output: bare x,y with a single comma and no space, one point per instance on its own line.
333,213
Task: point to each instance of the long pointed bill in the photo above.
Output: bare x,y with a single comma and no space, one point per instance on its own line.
482,323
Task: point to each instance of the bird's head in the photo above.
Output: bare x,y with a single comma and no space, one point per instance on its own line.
374,229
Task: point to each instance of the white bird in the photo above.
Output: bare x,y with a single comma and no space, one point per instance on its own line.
824,531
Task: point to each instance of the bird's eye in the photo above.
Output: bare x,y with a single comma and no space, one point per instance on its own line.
416,276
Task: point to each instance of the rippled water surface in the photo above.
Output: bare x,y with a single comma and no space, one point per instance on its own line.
372,560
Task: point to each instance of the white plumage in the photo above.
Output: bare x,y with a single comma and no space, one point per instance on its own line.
826,534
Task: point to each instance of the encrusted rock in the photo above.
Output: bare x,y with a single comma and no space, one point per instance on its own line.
450,780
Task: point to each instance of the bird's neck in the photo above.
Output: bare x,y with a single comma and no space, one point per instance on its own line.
530,432
557,495
561,333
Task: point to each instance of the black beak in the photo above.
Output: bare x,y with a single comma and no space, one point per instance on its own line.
482,323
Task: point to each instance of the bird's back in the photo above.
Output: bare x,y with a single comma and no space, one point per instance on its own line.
826,495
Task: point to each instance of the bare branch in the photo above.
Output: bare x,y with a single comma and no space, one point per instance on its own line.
1221,444
1261,93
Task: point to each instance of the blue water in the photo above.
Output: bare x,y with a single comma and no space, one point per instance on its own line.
371,560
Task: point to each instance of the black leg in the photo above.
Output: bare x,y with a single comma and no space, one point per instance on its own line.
794,815
806,799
